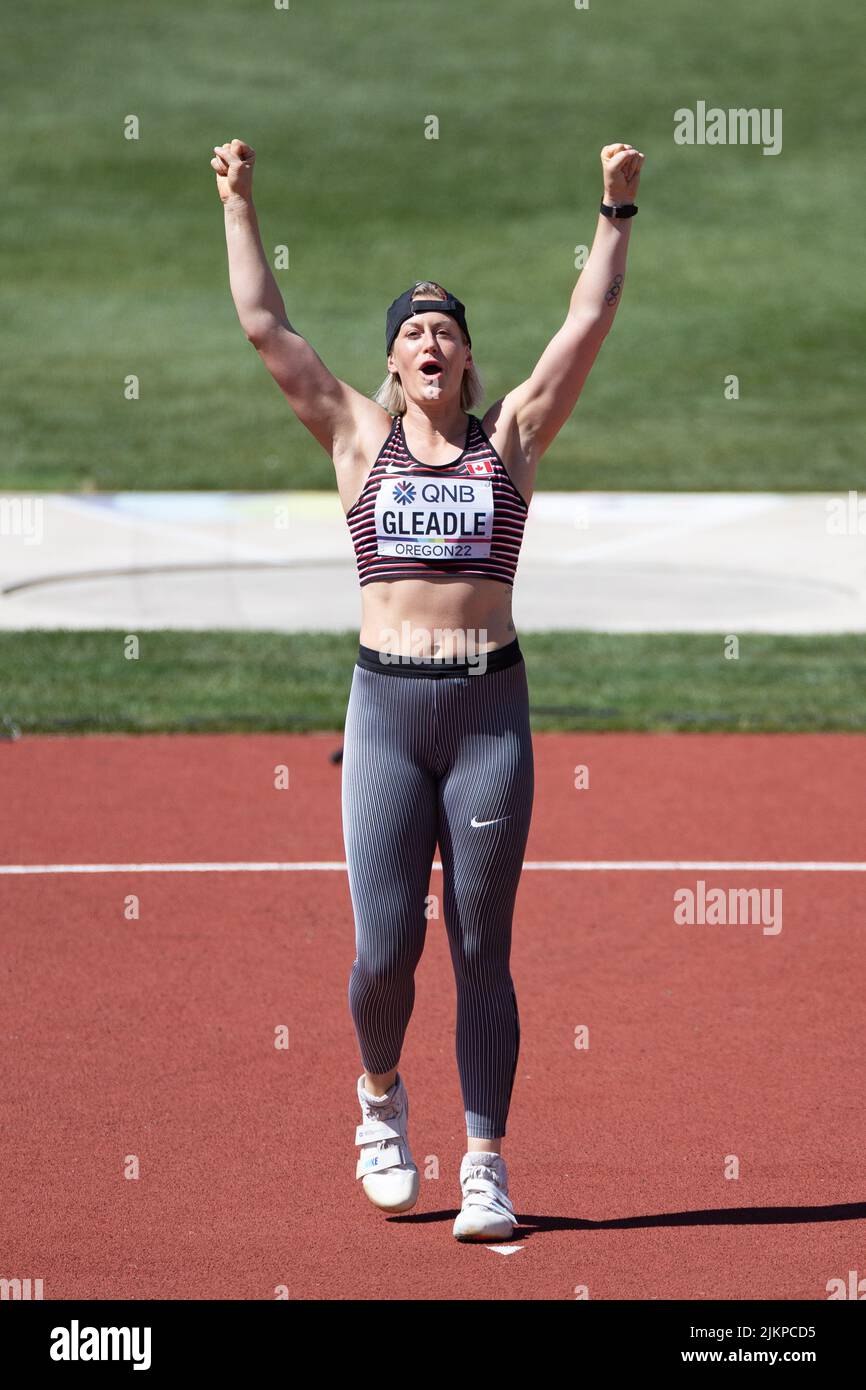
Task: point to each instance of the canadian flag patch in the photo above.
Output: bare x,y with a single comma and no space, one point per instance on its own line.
477,466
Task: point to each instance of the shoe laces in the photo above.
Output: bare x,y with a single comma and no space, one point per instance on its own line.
390,1111
481,1170
382,1112
481,1187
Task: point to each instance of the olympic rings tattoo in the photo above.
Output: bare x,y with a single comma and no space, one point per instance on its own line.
613,293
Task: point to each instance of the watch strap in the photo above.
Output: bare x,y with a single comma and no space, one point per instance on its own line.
618,209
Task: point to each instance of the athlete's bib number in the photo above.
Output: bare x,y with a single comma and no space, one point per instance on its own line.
425,519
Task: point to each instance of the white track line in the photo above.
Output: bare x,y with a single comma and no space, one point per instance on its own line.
816,866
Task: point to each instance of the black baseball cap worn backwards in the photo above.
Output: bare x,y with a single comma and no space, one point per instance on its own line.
403,309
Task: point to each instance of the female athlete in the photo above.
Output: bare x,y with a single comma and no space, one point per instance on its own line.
437,744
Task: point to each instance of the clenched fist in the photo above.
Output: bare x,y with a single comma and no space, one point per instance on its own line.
621,166
233,165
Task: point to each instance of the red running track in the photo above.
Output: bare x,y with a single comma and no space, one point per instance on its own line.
154,1038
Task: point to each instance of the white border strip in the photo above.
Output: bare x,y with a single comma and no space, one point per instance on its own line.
816,866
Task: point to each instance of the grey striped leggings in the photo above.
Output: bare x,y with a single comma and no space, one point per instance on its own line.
447,758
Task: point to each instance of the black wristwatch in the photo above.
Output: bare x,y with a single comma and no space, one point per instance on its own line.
618,209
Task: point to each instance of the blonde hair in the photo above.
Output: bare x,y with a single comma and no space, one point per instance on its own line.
391,394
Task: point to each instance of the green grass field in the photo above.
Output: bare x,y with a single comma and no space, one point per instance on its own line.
81,682
741,263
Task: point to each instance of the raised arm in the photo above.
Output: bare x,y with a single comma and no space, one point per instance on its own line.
541,405
328,407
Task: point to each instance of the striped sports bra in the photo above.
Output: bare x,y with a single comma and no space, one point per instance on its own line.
460,518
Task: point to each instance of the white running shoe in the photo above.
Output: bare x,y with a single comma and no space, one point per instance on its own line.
385,1164
487,1213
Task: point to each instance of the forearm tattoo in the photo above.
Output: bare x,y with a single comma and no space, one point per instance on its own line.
613,293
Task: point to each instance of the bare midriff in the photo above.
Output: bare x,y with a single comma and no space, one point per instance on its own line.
436,616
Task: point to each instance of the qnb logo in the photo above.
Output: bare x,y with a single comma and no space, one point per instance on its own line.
75,1343
404,492
24,1289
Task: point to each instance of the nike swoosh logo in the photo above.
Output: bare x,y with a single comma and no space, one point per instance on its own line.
478,823
401,468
